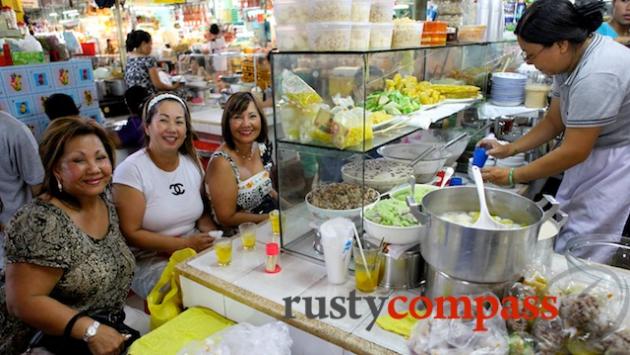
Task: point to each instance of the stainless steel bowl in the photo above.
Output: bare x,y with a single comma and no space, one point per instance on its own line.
481,255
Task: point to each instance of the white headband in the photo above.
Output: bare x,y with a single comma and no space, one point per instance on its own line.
166,96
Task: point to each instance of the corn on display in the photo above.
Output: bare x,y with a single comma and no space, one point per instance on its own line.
421,91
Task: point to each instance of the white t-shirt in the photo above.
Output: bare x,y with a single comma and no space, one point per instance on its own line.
173,199
219,57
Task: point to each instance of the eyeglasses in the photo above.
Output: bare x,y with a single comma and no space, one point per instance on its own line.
529,57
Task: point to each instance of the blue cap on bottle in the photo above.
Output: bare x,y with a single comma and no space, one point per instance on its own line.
456,181
480,156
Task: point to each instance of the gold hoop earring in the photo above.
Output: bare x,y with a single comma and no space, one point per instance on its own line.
59,186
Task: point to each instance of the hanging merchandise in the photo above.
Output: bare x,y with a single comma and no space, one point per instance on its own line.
490,13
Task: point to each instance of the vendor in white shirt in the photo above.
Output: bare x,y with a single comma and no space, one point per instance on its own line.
217,48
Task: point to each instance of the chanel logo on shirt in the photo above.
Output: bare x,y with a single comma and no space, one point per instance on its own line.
177,189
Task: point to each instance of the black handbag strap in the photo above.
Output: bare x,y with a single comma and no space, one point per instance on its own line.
67,332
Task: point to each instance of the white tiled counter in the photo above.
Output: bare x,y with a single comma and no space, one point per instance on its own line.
243,292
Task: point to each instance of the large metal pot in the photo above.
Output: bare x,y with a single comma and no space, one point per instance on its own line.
116,87
480,255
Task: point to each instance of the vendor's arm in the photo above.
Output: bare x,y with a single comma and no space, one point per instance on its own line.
548,128
154,74
223,193
130,204
28,287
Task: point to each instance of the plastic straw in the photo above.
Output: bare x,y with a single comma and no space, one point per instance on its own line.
356,234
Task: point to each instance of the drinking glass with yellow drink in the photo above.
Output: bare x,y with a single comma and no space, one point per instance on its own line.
274,218
366,272
248,235
223,249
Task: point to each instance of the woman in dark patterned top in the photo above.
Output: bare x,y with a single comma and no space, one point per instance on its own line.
142,68
239,172
65,253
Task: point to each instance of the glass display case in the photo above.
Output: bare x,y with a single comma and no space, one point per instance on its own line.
327,132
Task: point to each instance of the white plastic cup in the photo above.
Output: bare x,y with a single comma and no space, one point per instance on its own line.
336,237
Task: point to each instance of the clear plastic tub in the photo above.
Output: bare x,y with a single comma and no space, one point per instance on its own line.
406,34
360,36
382,11
472,33
289,12
381,35
361,10
292,38
329,36
329,10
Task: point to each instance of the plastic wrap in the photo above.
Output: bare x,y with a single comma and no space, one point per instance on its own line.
244,339
457,336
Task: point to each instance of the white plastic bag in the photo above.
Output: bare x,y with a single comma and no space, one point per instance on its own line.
244,339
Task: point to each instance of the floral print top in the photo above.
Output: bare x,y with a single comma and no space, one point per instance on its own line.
137,72
96,273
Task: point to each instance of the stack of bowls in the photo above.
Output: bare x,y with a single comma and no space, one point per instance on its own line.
508,89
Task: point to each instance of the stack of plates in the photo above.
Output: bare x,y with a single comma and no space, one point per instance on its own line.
508,89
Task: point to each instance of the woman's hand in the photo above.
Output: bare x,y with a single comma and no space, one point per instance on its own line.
497,149
497,176
199,242
107,341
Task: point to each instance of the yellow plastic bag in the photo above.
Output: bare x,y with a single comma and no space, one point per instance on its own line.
165,303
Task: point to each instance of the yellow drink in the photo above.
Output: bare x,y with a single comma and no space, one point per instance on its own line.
274,218
249,240
223,249
366,279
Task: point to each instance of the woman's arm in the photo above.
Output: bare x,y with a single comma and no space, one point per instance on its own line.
548,128
28,287
223,192
130,204
576,148
157,83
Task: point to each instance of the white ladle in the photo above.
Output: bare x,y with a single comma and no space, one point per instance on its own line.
485,221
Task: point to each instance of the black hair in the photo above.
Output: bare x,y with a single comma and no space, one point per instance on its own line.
214,29
549,21
60,105
135,97
135,38
236,105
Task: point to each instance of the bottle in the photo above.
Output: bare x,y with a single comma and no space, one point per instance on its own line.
272,250
520,9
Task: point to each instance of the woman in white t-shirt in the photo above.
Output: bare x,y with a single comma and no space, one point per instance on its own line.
159,192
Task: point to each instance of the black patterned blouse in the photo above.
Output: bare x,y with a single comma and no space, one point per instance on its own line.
137,72
96,273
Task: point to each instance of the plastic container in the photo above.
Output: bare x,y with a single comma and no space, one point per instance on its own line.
381,35
472,33
289,12
382,11
329,10
360,36
88,48
536,95
434,33
361,10
336,238
292,38
329,36
406,34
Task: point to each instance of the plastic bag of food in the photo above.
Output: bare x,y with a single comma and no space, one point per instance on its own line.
244,339
351,128
433,336
297,91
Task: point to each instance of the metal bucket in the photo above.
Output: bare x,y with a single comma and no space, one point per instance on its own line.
403,273
481,255
439,284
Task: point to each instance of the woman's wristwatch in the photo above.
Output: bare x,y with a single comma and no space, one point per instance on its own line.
91,331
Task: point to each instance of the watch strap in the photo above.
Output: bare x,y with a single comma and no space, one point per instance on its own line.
91,331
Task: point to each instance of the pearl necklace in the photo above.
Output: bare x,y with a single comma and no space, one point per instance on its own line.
248,156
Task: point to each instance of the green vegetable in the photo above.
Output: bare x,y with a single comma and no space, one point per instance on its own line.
391,212
420,191
393,102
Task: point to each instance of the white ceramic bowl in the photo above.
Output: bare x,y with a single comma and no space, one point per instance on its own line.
380,174
324,213
425,169
393,234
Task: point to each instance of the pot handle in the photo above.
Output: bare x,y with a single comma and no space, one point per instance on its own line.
562,218
555,206
416,211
